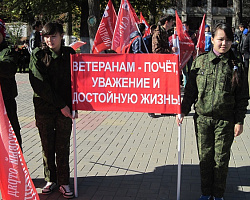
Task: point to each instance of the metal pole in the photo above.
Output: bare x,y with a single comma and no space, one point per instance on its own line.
141,37
75,153
179,161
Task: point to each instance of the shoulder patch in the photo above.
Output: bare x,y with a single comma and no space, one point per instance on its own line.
202,54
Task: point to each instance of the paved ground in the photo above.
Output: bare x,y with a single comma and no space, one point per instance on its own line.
130,156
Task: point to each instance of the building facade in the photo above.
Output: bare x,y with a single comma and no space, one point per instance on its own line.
233,12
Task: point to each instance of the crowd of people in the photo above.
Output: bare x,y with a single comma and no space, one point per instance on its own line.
216,82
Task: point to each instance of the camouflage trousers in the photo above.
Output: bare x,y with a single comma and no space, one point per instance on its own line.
214,141
55,130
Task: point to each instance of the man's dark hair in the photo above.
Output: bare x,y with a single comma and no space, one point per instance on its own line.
166,18
242,25
186,22
152,28
141,27
36,24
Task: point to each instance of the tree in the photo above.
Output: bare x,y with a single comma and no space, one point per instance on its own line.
79,10
29,10
14,31
93,19
84,33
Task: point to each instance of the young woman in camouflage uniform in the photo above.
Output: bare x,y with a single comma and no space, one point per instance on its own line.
218,89
50,78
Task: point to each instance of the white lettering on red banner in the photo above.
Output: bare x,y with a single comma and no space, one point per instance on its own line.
126,82
15,181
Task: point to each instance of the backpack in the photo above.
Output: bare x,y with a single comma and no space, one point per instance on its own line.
126,49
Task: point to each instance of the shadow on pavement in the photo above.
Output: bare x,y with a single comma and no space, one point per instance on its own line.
158,185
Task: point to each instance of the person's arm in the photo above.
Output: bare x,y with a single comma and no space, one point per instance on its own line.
8,63
190,94
241,98
246,45
136,46
32,42
191,91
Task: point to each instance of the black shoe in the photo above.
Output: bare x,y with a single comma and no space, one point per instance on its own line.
165,114
151,115
48,188
65,190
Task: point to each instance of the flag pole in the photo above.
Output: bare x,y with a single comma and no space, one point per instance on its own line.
179,161
141,37
75,153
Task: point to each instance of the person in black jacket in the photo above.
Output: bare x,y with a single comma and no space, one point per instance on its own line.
35,37
148,39
246,51
138,45
8,69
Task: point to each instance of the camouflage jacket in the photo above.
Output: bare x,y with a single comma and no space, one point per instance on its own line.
52,83
8,69
210,88
160,43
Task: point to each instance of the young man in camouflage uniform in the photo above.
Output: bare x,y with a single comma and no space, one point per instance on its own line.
218,88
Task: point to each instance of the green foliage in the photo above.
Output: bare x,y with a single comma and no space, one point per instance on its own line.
29,10
47,10
14,31
152,10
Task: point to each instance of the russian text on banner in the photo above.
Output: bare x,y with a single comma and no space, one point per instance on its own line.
15,181
126,82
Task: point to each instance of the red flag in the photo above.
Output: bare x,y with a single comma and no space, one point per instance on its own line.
77,44
185,42
104,34
125,25
201,37
147,29
15,181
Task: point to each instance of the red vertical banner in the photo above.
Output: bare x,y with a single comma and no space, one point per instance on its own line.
104,34
15,181
201,37
126,82
185,42
125,25
147,27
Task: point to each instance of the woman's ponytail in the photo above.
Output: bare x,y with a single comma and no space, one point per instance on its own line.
236,75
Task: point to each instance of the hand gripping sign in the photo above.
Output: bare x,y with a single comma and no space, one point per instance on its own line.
126,82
